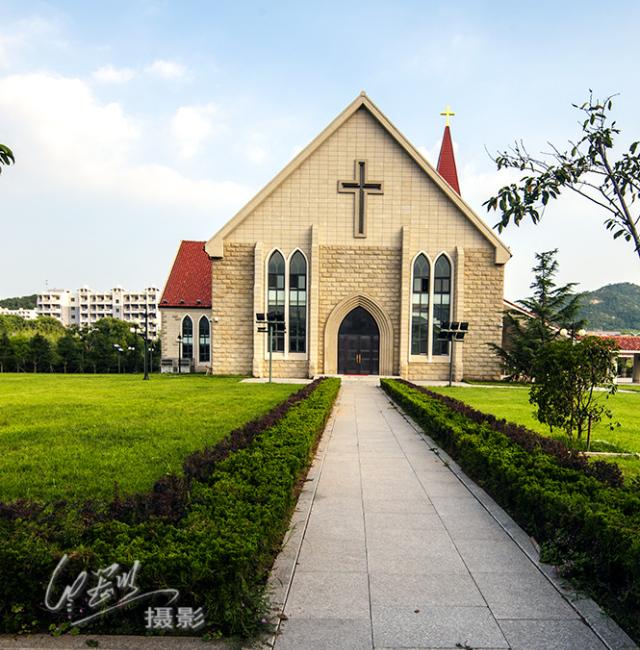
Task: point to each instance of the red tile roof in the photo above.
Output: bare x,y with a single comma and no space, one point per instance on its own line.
189,283
625,343
447,161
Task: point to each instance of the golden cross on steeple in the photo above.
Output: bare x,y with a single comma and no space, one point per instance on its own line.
447,114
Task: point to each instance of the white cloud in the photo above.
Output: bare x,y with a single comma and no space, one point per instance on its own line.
65,137
192,126
22,34
167,69
111,74
256,153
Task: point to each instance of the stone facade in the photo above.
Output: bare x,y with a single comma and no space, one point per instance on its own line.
347,271
233,316
302,210
171,327
484,309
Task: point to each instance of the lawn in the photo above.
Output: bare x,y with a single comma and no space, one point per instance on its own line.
512,403
74,436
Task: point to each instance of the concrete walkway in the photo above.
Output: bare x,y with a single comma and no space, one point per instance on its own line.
393,550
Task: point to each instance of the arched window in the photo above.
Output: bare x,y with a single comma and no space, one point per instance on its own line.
441,302
276,298
420,306
298,303
204,340
187,338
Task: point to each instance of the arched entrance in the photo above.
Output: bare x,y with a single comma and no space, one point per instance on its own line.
358,344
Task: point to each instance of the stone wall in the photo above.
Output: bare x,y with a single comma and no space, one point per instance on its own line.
373,271
171,323
232,299
483,308
287,368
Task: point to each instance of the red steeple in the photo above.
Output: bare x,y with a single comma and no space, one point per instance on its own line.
446,159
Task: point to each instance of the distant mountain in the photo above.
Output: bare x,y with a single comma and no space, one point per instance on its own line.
21,302
614,307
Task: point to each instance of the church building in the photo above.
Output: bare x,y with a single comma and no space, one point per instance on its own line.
361,250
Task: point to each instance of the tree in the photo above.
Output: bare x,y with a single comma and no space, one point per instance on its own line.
6,353
549,309
101,339
69,348
587,168
40,353
566,375
6,156
20,345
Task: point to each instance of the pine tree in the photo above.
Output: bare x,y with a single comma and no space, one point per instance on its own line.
550,309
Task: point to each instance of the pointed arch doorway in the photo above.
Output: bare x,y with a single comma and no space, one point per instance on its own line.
358,344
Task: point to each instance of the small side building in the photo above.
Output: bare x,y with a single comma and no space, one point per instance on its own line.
185,308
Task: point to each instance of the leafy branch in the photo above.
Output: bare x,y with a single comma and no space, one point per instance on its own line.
6,156
587,168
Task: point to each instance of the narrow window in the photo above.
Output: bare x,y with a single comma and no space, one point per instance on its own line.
187,338
204,340
298,303
420,306
276,298
441,302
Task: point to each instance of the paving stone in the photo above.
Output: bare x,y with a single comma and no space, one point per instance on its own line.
332,527
427,520
418,591
550,635
491,556
381,505
329,595
436,627
526,596
431,559
326,554
407,540
324,634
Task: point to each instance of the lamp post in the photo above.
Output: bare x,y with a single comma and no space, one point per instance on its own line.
270,324
211,346
145,339
151,351
453,332
146,345
179,339
572,334
119,351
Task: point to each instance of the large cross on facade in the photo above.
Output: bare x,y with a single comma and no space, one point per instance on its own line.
360,187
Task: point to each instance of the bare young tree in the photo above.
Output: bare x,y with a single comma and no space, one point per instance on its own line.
587,167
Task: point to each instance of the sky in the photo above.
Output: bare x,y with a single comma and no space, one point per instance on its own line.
136,124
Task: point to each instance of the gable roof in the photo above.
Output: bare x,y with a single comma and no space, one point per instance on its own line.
215,248
189,282
447,161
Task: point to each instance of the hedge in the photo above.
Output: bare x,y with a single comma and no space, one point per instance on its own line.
212,533
583,523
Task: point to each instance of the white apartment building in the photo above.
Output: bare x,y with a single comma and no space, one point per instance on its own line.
85,307
27,314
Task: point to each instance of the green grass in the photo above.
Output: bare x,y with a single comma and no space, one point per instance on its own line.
512,403
74,436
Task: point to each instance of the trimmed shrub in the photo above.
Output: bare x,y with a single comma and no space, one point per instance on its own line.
589,527
212,533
